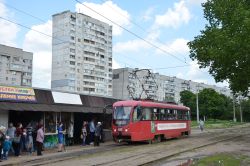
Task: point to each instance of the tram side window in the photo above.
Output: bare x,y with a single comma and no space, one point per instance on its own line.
187,115
137,114
163,114
142,114
156,114
171,114
180,115
146,114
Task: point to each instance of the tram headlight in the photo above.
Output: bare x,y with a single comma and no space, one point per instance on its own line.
126,130
114,130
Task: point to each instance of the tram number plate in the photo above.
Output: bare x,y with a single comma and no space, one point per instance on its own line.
119,129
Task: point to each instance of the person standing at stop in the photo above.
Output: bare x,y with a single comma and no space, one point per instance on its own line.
60,136
201,124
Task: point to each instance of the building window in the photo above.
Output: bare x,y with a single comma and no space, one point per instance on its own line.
115,76
16,58
72,50
72,56
72,63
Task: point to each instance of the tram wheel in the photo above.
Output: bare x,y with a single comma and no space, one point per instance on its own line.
158,138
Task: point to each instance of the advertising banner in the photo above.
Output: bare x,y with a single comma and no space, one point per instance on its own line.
17,94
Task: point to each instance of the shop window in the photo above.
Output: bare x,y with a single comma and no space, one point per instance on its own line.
50,122
65,118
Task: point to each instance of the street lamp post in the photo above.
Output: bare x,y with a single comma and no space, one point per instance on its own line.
234,108
197,106
241,118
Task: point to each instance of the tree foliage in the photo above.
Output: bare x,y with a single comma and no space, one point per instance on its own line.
188,99
224,46
246,110
211,104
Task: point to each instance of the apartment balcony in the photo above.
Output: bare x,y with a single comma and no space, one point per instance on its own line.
16,67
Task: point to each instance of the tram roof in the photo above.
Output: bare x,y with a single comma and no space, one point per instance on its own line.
148,103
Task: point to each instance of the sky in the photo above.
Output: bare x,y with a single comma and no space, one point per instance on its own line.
146,34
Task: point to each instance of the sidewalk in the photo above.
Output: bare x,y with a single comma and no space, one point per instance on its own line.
49,154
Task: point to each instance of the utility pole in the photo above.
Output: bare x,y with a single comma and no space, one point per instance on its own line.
197,104
241,118
234,108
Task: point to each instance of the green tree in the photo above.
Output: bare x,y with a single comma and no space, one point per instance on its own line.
246,110
210,103
224,46
188,99
227,108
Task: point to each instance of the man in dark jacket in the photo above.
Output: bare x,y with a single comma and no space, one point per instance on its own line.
2,138
97,134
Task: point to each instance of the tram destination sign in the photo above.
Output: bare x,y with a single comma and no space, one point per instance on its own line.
17,94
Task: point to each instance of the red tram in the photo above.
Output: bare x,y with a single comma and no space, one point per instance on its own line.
149,121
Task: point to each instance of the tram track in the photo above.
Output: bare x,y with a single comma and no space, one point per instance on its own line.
188,150
153,153
133,158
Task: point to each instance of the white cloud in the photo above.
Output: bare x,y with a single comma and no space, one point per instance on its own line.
115,65
195,74
132,45
8,30
147,16
108,9
174,17
41,47
195,2
177,47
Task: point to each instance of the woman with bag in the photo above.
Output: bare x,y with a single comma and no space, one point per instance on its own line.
84,133
29,140
39,139
2,138
17,139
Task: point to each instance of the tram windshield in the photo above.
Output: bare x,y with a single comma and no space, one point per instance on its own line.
121,115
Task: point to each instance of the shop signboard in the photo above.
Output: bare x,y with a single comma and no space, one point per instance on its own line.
17,94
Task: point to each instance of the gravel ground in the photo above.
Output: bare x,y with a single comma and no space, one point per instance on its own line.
171,152
239,146
181,150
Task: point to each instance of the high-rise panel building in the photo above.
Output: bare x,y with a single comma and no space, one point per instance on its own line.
81,54
15,66
168,88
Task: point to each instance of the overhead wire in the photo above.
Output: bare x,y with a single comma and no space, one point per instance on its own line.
43,21
148,42
143,29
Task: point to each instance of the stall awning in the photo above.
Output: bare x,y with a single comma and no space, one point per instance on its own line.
48,107
92,101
